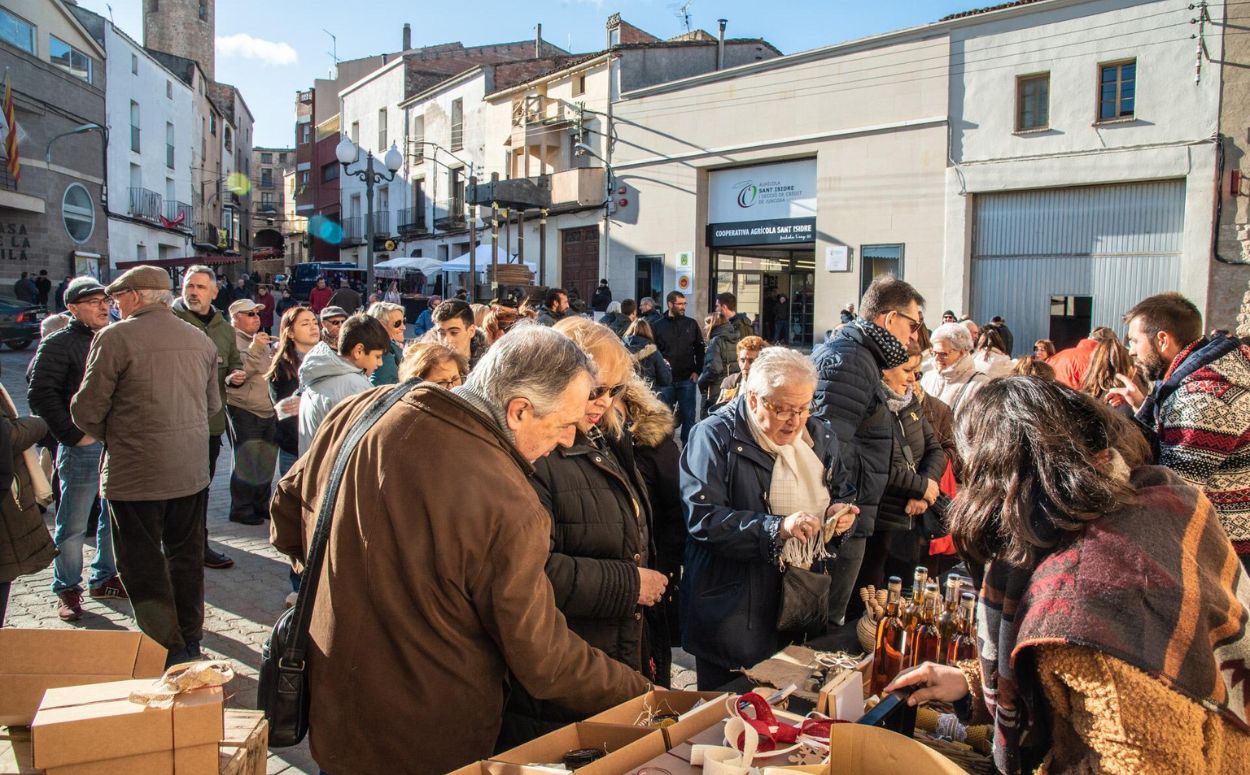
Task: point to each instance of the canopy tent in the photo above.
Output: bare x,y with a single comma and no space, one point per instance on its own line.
461,263
426,266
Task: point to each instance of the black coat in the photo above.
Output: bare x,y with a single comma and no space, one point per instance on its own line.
731,585
681,343
600,536
55,376
720,361
617,322
848,396
287,434
908,480
648,362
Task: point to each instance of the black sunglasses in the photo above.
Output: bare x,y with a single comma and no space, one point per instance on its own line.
398,324
600,390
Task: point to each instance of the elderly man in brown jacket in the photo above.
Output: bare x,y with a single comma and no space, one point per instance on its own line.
149,388
433,589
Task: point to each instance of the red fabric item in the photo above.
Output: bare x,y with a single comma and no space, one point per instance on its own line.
1071,364
318,298
771,731
948,485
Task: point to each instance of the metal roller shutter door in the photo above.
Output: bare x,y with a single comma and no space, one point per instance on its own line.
1115,243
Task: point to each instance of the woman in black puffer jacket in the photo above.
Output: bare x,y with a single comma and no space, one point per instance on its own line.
648,362
917,462
601,561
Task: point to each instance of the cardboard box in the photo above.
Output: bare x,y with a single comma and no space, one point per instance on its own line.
710,710
33,661
627,747
15,755
245,745
81,730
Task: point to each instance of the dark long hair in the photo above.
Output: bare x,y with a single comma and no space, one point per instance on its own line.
286,361
1029,447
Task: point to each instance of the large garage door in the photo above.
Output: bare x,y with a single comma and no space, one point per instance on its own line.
1092,251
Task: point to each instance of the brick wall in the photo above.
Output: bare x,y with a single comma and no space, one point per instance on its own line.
175,25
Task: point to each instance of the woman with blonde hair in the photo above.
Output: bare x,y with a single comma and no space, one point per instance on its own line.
433,362
500,319
600,566
1109,359
391,316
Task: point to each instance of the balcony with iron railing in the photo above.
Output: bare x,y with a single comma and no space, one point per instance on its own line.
454,219
210,234
382,223
353,230
145,204
178,215
412,222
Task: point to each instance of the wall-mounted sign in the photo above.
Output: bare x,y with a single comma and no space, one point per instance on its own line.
14,242
837,258
766,204
683,275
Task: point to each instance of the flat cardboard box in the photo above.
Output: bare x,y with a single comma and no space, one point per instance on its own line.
692,719
627,747
196,759
245,746
33,661
92,724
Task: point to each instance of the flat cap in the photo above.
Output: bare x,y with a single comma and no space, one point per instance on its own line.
141,278
333,312
80,288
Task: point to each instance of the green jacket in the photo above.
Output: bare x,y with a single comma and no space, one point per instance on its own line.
228,358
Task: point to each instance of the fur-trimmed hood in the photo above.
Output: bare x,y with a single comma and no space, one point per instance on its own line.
649,419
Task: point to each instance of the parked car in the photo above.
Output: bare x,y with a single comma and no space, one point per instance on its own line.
19,322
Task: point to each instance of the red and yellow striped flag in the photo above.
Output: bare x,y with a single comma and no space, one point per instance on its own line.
10,139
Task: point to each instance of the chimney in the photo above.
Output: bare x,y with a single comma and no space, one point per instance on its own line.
538,42
408,36
720,45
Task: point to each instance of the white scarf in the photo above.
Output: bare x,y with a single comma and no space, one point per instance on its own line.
798,484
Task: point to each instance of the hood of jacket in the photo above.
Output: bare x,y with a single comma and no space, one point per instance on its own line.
644,352
728,330
648,418
635,343
854,334
323,363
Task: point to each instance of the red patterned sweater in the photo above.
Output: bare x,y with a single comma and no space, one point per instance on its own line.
1202,419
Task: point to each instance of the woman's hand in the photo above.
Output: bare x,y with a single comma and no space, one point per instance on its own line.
915,508
651,586
931,492
800,525
845,520
940,683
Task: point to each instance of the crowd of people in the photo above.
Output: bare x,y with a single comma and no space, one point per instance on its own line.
653,482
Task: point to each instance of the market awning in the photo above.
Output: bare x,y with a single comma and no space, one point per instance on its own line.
185,261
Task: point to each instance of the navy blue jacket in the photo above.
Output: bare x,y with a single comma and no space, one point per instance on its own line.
849,397
731,586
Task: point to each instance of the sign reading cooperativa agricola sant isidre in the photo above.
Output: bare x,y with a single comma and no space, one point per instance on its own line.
765,204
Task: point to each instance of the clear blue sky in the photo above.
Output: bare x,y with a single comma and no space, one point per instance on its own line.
272,49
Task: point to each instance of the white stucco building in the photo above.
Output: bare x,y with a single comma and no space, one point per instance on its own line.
1082,162
151,146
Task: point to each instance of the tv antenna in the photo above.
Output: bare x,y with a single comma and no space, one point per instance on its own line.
683,13
333,52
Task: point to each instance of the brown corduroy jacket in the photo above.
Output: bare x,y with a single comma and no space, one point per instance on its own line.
432,592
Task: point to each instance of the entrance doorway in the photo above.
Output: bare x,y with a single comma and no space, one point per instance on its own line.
579,262
774,287
649,278
1071,319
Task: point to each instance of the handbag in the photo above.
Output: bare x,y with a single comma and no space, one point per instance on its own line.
282,687
933,521
804,600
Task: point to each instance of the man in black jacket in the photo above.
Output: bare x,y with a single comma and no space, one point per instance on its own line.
55,375
681,344
849,396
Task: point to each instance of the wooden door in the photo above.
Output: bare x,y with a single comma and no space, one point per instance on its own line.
579,262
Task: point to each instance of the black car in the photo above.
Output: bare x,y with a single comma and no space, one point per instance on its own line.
19,322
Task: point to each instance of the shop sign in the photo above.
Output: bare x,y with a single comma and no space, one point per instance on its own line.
683,275
766,204
14,243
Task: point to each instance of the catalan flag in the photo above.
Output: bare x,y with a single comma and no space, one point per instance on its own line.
12,161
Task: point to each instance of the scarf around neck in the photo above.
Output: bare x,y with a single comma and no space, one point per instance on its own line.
892,350
798,480
1197,355
897,402
1155,584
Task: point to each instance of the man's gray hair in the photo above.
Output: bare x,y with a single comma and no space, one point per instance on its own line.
200,269
777,366
532,362
954,334
382,311
152,296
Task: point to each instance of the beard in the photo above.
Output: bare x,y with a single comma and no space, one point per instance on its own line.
1152,365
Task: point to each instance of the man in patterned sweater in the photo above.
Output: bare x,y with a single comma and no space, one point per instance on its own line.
1199,411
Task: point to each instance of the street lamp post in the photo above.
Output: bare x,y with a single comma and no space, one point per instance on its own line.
472,215
347,153
104,157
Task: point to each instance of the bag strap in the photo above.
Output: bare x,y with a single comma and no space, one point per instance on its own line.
297,646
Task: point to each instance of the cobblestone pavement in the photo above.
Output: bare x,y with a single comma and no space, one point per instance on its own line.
241,603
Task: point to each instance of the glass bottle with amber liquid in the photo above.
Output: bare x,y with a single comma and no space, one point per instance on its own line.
892,642
964,644
928,639
948,619
910,612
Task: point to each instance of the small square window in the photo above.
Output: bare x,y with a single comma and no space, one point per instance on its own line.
16,30
1032,102
1117,90
134,64
579,85
169,90
69,59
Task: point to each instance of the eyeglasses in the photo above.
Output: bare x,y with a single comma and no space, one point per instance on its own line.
599,391
398,324
942,356
448,384
252,314
915,324
786,415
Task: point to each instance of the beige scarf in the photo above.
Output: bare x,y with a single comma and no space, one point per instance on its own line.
798,484
30,458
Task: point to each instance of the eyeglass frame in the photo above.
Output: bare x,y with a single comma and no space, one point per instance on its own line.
448,384
598,391
915,324
786,415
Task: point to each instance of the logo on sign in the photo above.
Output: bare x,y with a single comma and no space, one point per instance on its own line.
747,195
683,283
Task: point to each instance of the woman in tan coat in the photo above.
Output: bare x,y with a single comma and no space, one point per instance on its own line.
1113,611
25,546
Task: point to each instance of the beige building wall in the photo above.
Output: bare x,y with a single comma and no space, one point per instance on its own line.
879,144
1230,266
